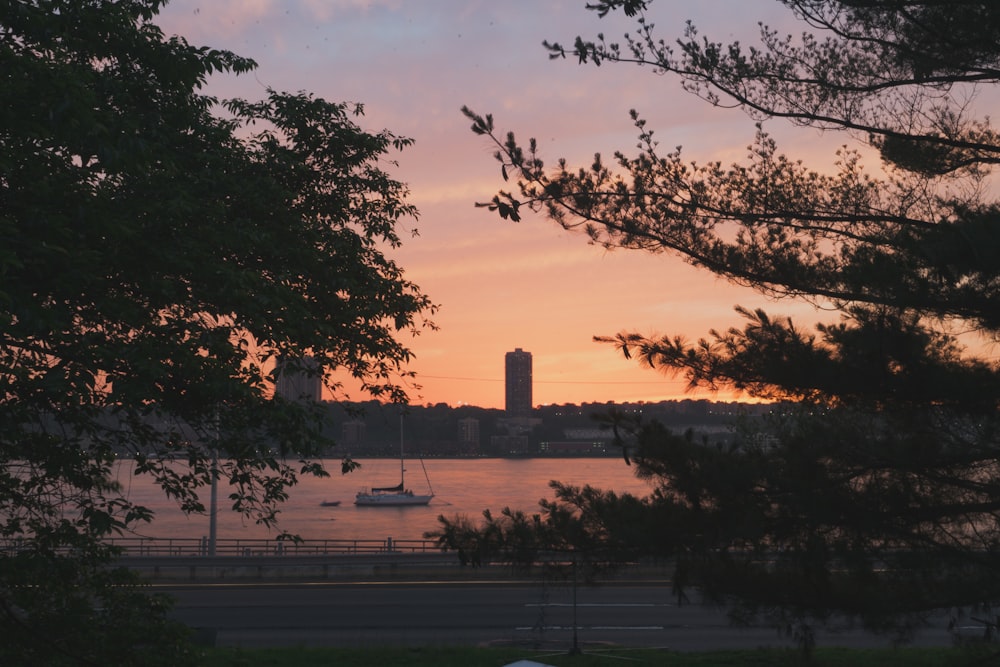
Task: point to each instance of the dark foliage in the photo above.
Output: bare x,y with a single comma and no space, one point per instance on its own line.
162,250
878,498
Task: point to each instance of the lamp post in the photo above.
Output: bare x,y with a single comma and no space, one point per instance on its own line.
213,498
575,650
213,510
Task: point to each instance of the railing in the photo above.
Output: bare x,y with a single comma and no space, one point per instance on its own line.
152,546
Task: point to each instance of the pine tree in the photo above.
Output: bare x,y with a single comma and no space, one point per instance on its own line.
874,494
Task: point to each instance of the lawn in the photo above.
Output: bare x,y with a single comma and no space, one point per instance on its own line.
497,657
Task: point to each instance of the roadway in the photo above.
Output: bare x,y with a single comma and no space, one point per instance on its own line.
521,613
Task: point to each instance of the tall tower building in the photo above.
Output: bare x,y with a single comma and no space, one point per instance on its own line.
468,435
518,383
352,432
299,380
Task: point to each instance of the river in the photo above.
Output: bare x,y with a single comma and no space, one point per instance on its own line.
461,487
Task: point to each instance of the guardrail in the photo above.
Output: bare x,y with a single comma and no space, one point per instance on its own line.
193,546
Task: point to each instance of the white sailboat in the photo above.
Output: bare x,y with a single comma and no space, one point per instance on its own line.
395,496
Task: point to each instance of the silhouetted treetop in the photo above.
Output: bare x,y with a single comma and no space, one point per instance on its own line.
878,498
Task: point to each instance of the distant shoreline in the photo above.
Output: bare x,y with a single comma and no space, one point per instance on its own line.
613,455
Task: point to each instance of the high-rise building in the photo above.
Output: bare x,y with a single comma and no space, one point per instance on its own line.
518,383
468,435
299,380
352,432
468,431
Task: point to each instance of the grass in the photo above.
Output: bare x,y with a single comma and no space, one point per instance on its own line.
497,657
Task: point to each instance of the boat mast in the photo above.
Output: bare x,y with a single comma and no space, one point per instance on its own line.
402,483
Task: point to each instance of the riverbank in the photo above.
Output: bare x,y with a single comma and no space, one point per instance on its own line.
437,566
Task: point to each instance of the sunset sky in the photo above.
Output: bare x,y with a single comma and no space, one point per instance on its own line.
502,285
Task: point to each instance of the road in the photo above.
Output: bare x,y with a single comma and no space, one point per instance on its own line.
633,614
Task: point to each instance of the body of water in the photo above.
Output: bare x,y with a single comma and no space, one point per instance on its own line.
461,486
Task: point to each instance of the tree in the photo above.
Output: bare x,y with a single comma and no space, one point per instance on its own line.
162,250
878,497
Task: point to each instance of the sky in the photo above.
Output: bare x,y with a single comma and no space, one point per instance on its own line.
503,285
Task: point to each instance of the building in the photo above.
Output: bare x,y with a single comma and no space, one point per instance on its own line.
352,432
468,431
572,448
510,445
517,382
468,435
299,380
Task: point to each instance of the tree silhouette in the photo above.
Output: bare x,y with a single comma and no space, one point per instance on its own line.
878,497
162,249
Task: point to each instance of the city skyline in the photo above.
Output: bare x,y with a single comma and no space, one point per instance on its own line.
413,66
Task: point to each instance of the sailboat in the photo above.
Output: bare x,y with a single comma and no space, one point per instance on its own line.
395,496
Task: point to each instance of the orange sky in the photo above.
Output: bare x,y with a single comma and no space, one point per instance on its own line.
502,285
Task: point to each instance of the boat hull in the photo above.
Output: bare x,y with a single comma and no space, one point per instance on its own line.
391,499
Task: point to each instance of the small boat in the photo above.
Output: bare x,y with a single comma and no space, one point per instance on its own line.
329,503
395,496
